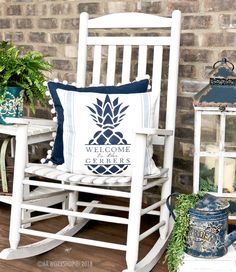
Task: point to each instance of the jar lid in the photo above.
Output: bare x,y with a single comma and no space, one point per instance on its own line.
211,203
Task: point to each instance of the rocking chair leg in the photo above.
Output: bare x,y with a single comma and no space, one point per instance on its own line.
26,214
166,188
133,234
15,221
20,155
73,198
164,213
135,209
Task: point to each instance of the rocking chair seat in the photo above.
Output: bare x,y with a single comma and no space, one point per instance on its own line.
51,172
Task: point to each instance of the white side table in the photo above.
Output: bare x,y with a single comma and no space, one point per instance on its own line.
227,263
39,130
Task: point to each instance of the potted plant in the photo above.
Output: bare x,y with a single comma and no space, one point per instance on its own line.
177,244
21,73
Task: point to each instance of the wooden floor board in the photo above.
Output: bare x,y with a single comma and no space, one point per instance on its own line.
69,256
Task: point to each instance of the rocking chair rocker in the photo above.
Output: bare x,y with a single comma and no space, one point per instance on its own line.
129,164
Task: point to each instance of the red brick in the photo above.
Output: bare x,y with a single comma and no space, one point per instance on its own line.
227,21
184,164
186,118
36,10
31,9
47,23
197,22
186,149
60,64
192,86
219,39
70,23
188,39
5,23
91,8
25,47
14,36
185,6
61,9
120,6
188,71
151,7
70,77
24,23
61,38
183,181
185,103
50,51
219,5
14,10
196,55
230,54
39,37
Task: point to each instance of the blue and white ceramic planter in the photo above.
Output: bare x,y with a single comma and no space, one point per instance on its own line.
12,103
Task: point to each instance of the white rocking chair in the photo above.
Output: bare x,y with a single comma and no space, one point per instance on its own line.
161,33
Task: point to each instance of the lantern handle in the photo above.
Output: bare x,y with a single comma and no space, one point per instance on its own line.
224,60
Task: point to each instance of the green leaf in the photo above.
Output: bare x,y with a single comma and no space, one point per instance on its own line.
25,70
176,247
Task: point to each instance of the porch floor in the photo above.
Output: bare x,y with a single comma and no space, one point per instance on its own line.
69,256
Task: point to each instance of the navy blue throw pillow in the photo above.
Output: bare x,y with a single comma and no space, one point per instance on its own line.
57,156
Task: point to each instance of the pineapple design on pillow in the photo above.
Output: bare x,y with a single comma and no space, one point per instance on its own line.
108,150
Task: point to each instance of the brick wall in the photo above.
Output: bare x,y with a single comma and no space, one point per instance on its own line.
208,34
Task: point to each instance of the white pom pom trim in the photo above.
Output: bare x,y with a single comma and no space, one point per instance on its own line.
143,77
50,163
50,102
54,119
54,134
48,157
56,80
45,83
49,152
53,111
47,93
43,160
65,82
96,85
51,143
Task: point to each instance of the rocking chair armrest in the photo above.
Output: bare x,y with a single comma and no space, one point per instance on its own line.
16,121
38,130
32,121
154,131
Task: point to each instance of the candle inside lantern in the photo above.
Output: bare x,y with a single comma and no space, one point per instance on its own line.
210,162
229,168
229,174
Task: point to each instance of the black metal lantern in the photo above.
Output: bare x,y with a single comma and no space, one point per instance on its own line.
221,90
215,133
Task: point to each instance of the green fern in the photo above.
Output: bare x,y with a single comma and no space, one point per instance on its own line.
26,71
206,180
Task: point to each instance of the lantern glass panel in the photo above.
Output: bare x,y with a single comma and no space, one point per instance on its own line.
230,133
210,174
228,174
210,130
207,174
